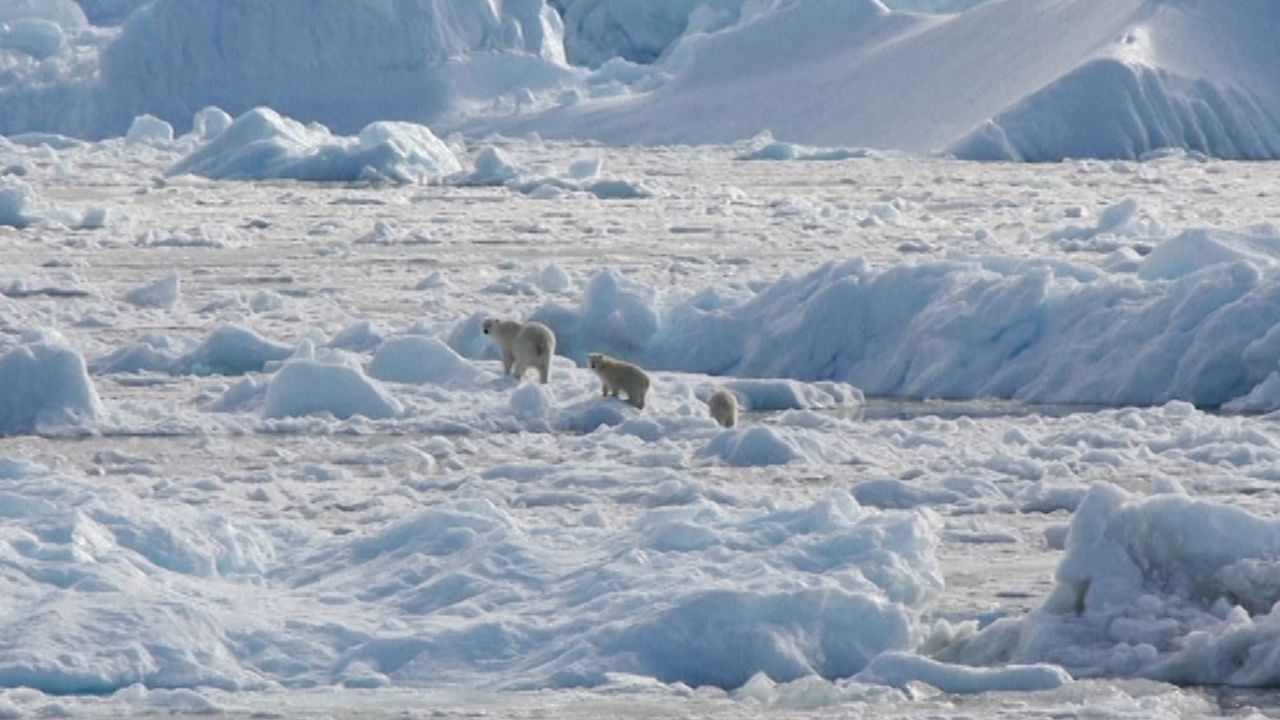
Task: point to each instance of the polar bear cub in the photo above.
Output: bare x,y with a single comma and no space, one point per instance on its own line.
618,375
724,407
524,345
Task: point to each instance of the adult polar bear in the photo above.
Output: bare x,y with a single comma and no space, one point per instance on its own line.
524,345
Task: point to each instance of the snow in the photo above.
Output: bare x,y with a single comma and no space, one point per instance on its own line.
46,386
149,129
1136,594
17,202
755,446
162,293
311,485
315,61
417,359
305,387
1035,80
972,328
38,38
262,145
898,669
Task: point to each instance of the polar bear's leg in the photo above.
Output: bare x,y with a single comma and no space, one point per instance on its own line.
544,368
508,360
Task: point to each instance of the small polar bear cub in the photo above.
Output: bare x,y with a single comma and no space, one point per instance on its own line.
524,345
724,407
618,375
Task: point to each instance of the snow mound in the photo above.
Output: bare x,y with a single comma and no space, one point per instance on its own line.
492,167
417,359
1139,595
307,387
162,293
754,446
360,335
966,329
45,385
261,144
227,350
142,565
899,669
1110,108
761,394
17,203
829,586
149,130
1076,78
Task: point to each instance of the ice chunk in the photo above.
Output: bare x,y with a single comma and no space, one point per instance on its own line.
45,384
162,293
261,144
418,359
307,387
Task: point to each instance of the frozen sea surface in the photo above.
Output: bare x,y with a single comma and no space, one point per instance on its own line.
296,533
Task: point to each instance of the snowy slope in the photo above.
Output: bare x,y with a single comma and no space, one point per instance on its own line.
1060,78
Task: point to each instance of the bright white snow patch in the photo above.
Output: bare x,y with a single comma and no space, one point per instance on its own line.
261,144
307,387
418,359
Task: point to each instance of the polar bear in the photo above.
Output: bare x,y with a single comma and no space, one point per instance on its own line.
618,375
524,345
724,407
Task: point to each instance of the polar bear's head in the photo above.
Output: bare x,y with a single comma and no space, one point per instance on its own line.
595,360
488,325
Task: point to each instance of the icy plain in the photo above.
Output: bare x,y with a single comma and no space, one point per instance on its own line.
260,459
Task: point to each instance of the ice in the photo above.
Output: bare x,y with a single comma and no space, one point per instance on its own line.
66,14
417,359
492,167
210,122
359,335
227,350
38,38
150,130
314,60
753,446
110,12
17,202
261,144
1137,594
162,293
899,669
45,386
306,387
964,329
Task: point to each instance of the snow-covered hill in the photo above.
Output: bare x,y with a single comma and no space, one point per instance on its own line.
1074,78
1003,79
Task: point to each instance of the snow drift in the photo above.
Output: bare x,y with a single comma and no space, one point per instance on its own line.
459,592
1196,322
1139,594
261,145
